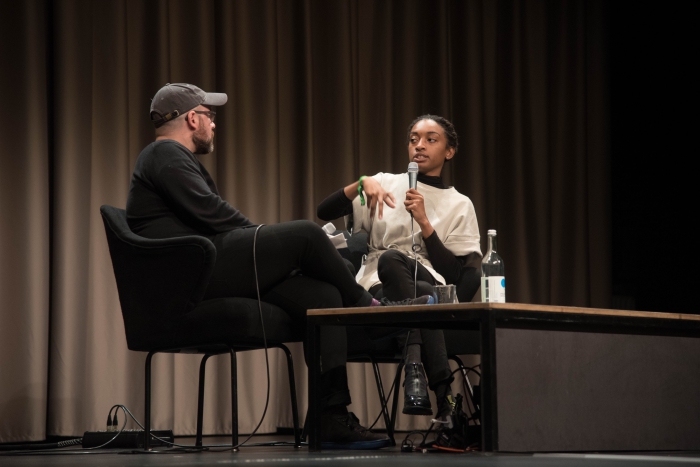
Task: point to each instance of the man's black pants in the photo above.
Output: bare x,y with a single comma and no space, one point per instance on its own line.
282,251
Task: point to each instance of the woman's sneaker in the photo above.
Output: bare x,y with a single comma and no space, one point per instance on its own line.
345,432
424,300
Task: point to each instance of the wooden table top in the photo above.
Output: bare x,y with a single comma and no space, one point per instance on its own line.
495,307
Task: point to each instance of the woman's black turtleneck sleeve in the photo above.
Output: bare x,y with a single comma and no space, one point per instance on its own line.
334,206
443,260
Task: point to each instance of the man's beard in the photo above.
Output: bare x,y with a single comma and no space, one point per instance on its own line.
203,145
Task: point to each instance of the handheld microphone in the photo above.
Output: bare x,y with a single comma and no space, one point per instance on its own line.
412,178
412,175
413,183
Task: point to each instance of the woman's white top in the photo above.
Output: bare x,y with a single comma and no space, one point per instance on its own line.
450,213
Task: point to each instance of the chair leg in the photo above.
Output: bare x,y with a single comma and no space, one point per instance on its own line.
305,431
384,402
460,364
293,392
234,400
200,400
395,403
147,431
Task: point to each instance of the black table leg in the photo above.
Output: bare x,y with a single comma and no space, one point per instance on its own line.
489,411
314,412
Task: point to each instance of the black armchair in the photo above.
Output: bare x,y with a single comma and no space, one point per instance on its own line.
161,284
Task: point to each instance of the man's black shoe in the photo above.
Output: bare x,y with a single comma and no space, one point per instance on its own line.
415,394
345,432
424,300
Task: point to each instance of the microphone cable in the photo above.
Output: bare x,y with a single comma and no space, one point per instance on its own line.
267,364
262,326
413,184
267,361
415,248
267,369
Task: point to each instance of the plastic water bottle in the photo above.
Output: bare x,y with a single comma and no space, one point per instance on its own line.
493,277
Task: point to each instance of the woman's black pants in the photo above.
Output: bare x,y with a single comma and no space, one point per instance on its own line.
396,272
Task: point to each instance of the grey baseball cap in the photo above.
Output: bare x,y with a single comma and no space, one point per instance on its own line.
173,100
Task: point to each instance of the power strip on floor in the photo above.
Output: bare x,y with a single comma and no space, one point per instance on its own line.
130,439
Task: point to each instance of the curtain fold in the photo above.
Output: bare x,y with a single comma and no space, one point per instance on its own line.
319,94
24,222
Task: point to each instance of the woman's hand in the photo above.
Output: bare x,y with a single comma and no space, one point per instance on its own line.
415,204
376,196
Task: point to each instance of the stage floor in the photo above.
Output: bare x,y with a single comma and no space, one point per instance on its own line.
288,456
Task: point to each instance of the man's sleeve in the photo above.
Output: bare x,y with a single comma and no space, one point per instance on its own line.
183,186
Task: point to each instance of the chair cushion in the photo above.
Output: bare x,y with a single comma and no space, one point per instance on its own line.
231,321
236,321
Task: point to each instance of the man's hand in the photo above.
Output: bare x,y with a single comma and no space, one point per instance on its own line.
376,196
415,204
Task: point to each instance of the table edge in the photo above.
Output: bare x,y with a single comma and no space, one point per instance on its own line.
502,306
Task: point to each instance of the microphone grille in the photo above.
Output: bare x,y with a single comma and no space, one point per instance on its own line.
412,167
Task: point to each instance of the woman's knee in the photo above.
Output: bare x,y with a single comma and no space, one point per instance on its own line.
391,260
424,288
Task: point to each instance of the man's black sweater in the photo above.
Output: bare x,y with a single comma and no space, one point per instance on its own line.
173,195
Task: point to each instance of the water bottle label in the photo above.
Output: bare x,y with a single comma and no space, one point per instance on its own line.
493,289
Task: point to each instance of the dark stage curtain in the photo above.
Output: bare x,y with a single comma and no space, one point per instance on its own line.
320,92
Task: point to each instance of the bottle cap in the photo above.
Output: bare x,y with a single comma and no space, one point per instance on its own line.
492,232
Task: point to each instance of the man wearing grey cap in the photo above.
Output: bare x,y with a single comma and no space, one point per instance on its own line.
173,195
